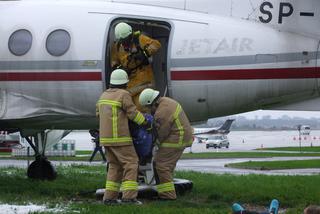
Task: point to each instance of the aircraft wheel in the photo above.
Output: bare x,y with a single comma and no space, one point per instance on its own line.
207,146
42,169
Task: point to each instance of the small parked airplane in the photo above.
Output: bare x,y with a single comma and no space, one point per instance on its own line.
205,133
217,58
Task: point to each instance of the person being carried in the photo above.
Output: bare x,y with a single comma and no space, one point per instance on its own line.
131,51
174,133
312,209
114,108
273,209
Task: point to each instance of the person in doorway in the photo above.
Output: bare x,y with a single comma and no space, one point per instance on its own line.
131,52
114,108
174,133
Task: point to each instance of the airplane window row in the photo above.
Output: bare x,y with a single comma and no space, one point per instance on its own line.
57,43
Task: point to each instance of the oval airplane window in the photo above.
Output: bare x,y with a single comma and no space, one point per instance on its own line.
20,42
58,42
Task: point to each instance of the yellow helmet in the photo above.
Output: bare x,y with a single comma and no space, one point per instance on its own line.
119,77
122,30
147,96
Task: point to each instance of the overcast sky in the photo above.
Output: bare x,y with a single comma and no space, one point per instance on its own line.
277,114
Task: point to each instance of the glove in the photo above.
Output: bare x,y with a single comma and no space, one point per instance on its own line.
141,57
147,125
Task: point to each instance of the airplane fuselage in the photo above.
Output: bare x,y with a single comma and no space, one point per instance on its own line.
54,61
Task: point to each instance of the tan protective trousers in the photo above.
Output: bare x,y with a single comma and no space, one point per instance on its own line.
123,169
139,80
165,161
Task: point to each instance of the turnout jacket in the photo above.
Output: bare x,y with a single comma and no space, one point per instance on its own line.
172,125
139,70
114,108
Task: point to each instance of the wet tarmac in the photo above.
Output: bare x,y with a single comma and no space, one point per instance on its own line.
239,141
216,166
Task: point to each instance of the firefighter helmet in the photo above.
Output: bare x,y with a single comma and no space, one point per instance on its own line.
122,31
148,96
119,77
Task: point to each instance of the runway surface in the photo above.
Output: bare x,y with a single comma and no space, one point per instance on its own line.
244,141
216,166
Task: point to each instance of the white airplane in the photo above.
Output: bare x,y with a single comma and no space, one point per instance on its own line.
216,59
205,133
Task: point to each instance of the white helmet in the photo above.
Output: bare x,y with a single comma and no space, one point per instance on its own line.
119,77
122,30
147,96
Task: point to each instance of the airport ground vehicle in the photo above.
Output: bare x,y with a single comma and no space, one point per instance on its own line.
7,142
218,141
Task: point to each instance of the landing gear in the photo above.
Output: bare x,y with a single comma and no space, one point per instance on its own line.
42,168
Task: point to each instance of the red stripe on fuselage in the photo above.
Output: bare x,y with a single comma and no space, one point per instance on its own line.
239,74
50,76
242,74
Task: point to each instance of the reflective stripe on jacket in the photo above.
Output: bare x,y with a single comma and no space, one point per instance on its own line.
173,127
114,108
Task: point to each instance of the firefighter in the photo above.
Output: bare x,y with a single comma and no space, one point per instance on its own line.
131,52
114,108
174,133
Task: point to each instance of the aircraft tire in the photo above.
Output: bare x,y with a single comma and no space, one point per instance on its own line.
41,169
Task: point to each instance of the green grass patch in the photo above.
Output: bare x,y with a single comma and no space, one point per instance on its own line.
97,157
295,149
273,165
75,187
5,153
84,152
212,155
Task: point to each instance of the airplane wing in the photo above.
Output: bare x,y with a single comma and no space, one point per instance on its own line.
224,129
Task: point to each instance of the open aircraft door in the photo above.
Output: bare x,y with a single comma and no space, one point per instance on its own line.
155,29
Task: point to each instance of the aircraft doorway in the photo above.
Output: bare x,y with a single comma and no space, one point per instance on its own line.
158,30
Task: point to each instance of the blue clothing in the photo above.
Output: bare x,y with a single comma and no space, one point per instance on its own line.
142,139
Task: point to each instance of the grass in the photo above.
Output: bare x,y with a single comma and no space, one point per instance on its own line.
84,152
212,193
295,149
273,165
207,155
212,155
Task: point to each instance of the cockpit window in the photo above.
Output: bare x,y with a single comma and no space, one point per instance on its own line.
20,42
58,42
